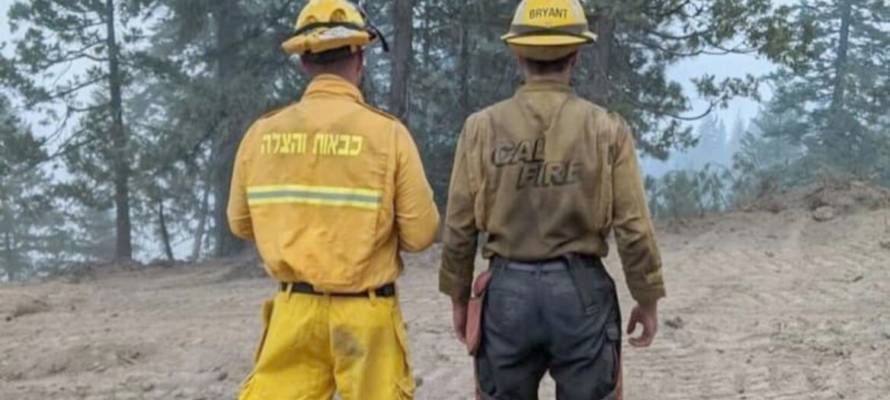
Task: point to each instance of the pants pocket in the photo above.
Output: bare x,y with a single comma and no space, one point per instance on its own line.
613,341
268,308
247,387
405,384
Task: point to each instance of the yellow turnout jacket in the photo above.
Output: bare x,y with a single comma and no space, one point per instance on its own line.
331,189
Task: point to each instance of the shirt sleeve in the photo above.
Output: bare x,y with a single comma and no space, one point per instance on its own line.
417,217
238,211
461,232
633,227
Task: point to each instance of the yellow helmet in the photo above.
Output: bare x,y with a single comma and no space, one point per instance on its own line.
326,25
548,29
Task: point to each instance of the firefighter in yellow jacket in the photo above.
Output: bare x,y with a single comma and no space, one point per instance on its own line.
548,176
331,190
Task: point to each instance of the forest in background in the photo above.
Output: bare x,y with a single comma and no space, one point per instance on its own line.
147,100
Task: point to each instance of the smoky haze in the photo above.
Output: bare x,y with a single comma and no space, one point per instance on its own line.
762,127
190,88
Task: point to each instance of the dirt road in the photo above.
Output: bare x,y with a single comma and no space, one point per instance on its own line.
761,306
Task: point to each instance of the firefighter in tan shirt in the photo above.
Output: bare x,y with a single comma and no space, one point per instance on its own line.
547,176
331,190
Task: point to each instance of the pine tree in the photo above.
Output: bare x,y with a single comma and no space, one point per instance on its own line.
225,69
626,70
98,37
27,225
764,162
842,93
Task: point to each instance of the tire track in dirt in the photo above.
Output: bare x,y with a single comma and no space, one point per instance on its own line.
802,323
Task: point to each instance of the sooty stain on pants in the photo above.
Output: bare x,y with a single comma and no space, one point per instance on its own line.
345,344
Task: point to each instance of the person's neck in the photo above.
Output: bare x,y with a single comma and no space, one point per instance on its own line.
354,79
565,79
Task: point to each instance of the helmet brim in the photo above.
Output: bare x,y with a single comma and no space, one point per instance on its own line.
315,41
550,39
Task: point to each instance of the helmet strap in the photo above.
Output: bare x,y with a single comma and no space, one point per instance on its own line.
373,28
376,32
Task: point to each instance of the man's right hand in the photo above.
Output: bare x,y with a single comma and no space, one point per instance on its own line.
646,315
459,317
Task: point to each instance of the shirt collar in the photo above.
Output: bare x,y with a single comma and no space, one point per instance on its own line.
333,85
545,85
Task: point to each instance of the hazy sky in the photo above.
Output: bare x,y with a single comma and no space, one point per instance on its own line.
722,66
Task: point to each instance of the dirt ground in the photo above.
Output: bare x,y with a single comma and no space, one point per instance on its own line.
760,306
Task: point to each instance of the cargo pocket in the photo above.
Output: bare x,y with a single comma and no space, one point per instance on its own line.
613,342
405,384
247,387
268,307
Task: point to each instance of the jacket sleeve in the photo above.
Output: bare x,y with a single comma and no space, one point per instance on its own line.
238,210
461,232
417,217
634,232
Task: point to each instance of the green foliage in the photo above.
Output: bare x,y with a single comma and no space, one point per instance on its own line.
840,96
640,39
195,73
690,193
765,163
27,220
461,65
73,64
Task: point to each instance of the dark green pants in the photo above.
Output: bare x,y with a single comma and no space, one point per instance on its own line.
534,321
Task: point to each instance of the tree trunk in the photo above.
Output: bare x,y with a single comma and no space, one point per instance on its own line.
8,266
839,124
226,27
464,60
425,62
425,34
599,86
367,87
402,54
165,234
840,66
202,226
121,168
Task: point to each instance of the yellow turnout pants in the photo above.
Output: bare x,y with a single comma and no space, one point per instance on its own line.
314,346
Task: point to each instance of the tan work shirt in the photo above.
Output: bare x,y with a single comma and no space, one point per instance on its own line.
331,189
545,174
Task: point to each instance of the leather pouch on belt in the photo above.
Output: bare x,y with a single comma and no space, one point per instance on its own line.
585,278
474,312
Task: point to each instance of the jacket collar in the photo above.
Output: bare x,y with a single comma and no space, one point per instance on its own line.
334,85
544,86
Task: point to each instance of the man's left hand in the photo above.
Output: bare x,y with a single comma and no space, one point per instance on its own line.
646,315
459,316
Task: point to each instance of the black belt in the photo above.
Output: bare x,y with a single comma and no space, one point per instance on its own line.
551,266
388,290
557,264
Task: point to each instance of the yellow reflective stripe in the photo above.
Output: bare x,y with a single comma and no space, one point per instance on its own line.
331,203
316,189
314,195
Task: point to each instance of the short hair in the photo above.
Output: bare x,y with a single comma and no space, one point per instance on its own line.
539,67
330,57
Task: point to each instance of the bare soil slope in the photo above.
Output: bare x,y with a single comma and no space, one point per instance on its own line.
761,306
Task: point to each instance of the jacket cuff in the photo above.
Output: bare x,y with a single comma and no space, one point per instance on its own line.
649,294
455,288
